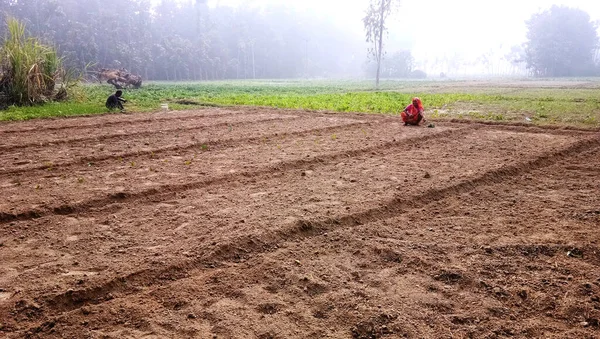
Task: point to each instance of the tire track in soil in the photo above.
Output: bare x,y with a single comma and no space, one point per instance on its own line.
268,241
165,192
158,151
142,133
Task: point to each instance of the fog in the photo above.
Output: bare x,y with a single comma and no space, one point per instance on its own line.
434,30
434,27
241,39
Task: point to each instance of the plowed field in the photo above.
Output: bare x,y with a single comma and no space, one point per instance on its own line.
259,223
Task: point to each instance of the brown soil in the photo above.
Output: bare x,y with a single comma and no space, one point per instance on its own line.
258,223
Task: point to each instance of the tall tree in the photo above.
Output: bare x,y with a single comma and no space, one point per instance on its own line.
398,66
561,42
374,21
517,59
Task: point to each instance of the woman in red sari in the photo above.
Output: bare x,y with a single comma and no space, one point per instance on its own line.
413,114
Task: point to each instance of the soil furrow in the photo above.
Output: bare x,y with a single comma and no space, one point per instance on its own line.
527,127
401,204
302,229
48,127
137,134
161,193
222,143
320,225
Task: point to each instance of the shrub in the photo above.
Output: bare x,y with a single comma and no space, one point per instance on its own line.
418,74
29,70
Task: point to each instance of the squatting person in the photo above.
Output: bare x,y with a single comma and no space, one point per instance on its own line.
413,114
115,101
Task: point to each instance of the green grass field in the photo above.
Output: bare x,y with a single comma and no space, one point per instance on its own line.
573,102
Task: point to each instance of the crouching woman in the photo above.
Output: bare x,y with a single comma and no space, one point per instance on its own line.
413,114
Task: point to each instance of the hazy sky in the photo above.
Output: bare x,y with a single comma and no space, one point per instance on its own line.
436,27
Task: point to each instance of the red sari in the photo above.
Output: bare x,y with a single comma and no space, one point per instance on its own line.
413,114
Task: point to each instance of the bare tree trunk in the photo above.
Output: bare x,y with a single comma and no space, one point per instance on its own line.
245,65
253,63
306,60
380,42
238,64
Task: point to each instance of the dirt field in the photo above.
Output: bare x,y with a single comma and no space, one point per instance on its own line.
254,223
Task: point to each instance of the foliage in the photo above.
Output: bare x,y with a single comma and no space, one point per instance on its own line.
398,66
189,40
28,69
450,100
374,22
561,42
418,74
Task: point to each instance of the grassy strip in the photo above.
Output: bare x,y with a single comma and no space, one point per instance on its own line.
442,99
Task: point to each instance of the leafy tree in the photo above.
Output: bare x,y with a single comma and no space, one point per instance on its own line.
377,14
561,42
188,40
517,59
399,65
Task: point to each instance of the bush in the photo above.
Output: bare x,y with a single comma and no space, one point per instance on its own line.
418,74
29,70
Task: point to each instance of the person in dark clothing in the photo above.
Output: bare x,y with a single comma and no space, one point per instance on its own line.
115,101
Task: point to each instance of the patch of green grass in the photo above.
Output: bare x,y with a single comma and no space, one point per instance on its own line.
442,99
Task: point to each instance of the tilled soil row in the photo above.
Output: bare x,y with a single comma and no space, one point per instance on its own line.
142,130
237,249
111,119
130,121
89,180
53,129
530,128
113,180
162,191
457,269
88,152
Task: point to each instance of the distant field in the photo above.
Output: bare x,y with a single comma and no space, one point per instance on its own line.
574,102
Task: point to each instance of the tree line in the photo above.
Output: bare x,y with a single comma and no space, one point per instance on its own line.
192,41
189,40
562,41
